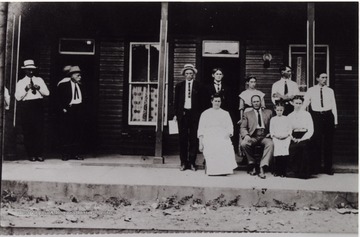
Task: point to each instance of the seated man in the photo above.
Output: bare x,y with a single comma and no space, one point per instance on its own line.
254,130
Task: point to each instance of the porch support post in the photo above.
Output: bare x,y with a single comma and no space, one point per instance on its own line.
3,25
310,43
162,77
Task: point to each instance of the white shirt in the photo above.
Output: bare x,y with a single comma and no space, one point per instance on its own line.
22,94
75,99
302,120
312,96
278,87
187,104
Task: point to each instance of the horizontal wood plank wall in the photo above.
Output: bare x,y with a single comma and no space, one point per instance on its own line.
184,51
254,65
44,72
111,90
345,85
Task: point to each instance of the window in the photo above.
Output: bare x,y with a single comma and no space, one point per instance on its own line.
225,49
77,46
298,62
143,84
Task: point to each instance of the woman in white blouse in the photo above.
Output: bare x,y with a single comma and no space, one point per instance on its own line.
214,133
303,129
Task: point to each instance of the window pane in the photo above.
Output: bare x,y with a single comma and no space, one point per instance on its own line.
139,63
153,103
154,62
298,64
139,102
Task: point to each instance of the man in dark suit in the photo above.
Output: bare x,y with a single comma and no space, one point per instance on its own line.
255,131
70,108
188,106
217,86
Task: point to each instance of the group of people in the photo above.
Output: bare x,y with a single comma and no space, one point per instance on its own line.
293,138
30,92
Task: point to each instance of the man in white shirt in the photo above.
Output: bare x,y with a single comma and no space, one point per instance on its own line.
30,92
70,101
324,114
284,89
188,105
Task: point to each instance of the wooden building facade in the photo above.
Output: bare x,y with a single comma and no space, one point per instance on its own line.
117,47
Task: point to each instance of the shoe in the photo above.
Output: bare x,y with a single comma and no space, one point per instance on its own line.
193,168
78,158
253,172
32,159
329,172
182,168
262,175
40,159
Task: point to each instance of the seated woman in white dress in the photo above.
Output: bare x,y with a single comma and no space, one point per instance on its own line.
214,132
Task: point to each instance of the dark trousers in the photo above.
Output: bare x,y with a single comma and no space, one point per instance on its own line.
299,159
71,131
322,140
188,126
32,121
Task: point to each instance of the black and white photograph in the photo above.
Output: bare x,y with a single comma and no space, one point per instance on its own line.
184,118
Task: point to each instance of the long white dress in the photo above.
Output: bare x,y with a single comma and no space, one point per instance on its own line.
215,126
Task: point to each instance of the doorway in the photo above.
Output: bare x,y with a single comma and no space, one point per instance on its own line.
232,78
89,75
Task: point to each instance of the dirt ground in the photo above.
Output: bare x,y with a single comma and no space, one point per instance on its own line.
174,213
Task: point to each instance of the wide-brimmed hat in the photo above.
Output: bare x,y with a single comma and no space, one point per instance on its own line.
74,69
29,64
188,67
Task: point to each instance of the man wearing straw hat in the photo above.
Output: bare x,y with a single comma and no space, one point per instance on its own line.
70,101
30,92
188,106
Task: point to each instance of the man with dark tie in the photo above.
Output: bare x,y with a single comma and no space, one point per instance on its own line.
70,102
188,106
217,86
284,89
321,99
30,92
254,130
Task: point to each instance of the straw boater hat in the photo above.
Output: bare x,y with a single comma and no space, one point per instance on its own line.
29,64
74,69
188,67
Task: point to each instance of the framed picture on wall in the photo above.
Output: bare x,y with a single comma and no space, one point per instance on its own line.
219,48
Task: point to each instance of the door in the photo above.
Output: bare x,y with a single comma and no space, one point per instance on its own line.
231,71
88,67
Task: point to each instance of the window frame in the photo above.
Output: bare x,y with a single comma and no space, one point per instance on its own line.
77,52
315,53
148,85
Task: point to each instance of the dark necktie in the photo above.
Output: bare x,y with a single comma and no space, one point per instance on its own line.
189,90
217,87
76,93
286,90
33,90
321,98
259,118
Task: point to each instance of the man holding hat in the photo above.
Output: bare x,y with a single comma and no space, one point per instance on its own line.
70,100
188,106
30,92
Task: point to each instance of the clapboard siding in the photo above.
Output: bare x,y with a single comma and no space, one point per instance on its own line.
345,85
254,65
111,88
